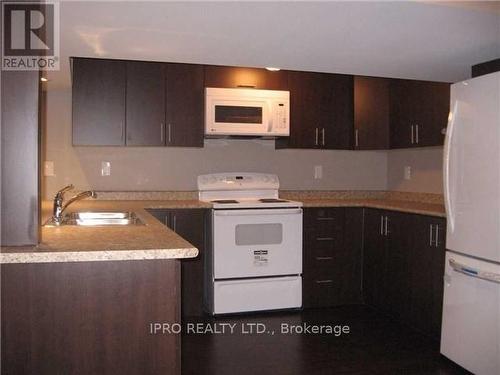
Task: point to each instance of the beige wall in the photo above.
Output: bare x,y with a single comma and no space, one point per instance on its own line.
161,168
426,170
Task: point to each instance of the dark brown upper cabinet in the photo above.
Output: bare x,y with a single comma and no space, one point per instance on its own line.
134,103
371,113
98,102
418,113
145,94
233,77
185,98
321,111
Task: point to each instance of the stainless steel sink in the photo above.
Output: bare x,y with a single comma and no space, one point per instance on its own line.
101,218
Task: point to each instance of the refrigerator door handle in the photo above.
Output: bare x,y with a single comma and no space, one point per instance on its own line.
473,272
446,166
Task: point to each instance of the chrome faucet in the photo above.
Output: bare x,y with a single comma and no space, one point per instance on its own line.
59,207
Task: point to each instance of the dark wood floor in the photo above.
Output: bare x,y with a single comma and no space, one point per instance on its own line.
375,345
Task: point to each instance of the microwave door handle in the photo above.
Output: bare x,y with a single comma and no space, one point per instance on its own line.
270,116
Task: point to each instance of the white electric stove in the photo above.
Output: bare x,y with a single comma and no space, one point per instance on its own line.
254,262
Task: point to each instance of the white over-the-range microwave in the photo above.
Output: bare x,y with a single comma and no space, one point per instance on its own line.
247,112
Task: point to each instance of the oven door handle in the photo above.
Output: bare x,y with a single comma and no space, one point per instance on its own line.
259,212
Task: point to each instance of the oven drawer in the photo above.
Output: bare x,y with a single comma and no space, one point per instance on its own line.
257,242
268,293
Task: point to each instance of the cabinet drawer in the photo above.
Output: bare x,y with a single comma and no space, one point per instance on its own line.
322,245
320,266
321,292
324,222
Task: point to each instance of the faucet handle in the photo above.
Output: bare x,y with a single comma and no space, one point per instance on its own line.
64,190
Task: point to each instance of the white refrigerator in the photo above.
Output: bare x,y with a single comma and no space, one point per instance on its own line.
471,307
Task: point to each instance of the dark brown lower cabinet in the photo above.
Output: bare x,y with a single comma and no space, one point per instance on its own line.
374,258
331,256
90,317
190,225
403,267
427,271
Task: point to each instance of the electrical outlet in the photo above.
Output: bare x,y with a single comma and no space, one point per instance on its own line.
105,168
48,169
318,172
407,172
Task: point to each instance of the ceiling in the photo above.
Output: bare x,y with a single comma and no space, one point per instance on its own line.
420,40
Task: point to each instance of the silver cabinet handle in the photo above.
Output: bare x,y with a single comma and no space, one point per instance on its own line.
437,235
324,258
324,281
162,132
416,134
356,138
412,136
325,218
473,272
381,225
174,224
430,234
317,137
323,135
386,220
169,133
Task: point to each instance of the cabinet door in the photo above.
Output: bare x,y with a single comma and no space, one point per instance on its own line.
371,113
321,111
421,269
402,101
353,257
418,113
232,77
374,259
190,224
399,246
438,266
431,115
184,105
98,97
145,104
305,105
337,112
322,256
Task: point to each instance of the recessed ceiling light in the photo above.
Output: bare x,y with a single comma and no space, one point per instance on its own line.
44,79
271,69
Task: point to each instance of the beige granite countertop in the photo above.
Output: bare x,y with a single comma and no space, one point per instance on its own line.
430,209
155,241
75,244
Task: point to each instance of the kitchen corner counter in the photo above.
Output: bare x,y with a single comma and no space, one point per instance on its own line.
113,243
421,208
414,203
156,241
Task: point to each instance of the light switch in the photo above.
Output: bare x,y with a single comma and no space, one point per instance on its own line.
407,172
105,168
318,172
48,169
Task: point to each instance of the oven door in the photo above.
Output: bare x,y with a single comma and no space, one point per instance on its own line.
257,242
237,117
